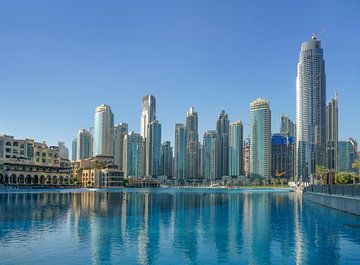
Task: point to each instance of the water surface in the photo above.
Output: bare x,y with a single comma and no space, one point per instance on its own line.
168,226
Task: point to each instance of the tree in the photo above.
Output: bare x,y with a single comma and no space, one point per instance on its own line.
320,171
344,177
356,165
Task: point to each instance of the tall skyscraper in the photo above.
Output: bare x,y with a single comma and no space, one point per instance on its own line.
246,154
120,130
222,129
310,108
63,150
283,155
287,126
84,144
153,150
180,149
236,160
166,159
103,131
133,155
148,113
260,138
192,155
210,152
332,134
347,155
74,149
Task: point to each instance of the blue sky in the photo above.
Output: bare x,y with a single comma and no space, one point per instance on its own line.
59,59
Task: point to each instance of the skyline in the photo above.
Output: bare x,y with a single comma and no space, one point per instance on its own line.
35,72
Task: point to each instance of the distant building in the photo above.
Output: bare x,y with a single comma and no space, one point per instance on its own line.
133,164
84,144
246,154
332,134
180,149
63,150
222,129
26,162
283,156
210,152
287,126
74,149
260,139
166,159
148,114
120,130
192,154
347,155
153,150
236,159
103,131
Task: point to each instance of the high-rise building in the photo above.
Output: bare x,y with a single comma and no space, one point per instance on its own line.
246,154
192,155
180,149
84,144
332,134
347,155
133,155
103,131
236,160
210,152
287,126
166,159
153,149
283,155
148,113
63,150
222,129
120,130
310,108
260,139
74,149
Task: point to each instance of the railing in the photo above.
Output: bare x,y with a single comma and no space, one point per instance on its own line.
344,190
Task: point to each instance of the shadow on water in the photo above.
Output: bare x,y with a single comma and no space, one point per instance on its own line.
179,227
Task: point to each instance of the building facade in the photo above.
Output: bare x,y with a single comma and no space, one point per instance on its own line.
148,114
287,126
84,144
347,155
103,131
332,137
210,152
260,139
283,156
236,139
166,159
246,154
133,149
222,129
180,150
74,149
120,130
310,108
192,155
153,150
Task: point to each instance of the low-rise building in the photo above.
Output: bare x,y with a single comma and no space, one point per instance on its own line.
24,162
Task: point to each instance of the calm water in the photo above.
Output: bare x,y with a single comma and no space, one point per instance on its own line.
173,227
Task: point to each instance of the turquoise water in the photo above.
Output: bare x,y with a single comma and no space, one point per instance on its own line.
168,226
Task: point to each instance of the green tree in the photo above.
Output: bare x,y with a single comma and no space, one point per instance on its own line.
356,165
320,171
344,177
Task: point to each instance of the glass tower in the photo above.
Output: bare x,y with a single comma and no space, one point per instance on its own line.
103,131
236,149
310,108
332,134
153,150
179,151
84,144
260,139
120,130
210,151
192,155
148,113
133,155
222,129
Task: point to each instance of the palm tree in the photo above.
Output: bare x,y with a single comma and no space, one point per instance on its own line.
320,171
356,165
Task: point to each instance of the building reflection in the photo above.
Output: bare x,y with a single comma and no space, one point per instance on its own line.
148,227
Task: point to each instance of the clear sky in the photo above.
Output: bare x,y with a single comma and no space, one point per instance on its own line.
59,59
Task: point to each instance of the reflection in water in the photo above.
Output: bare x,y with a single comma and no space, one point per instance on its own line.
174,226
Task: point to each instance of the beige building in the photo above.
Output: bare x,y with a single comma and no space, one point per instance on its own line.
26,162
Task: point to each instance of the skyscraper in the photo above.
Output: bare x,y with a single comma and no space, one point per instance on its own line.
283,155
260,138
103,131
246,154
63,150
332,134
287,126
74,149
120,130
310,108
148,113
210,152
236,160
180,150
222,129
347,155
166,159
192,155
84,144
133,155
153,149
